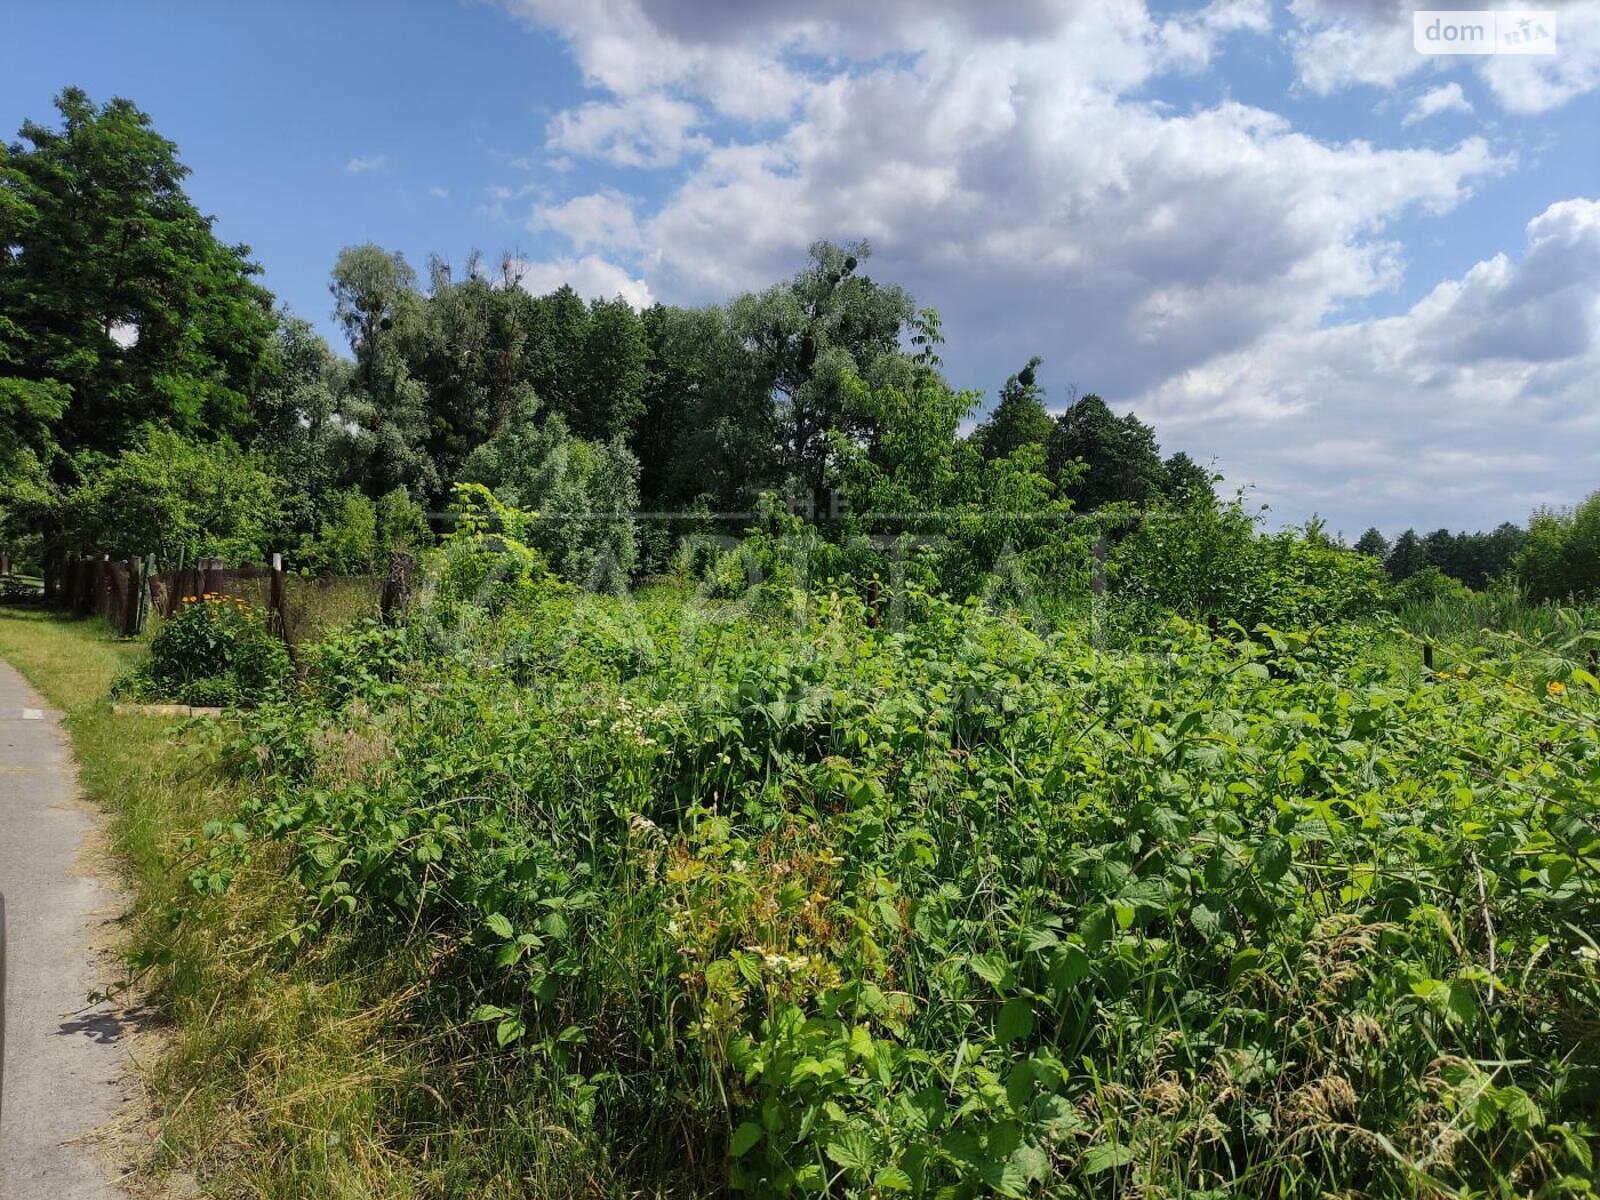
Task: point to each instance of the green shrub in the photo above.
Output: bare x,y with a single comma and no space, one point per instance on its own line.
578,497
215,650
962,910
1560,559
358,533
360,663
168,494
346,542
485,562
1207,561
1427,586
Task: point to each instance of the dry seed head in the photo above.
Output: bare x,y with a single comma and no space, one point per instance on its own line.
1167,1095
1321,1100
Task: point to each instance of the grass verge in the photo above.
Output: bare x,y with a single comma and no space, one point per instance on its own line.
270,1083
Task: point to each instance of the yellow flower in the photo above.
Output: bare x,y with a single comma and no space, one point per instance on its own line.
1555,687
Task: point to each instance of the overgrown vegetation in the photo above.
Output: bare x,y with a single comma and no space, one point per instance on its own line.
991,812
214,650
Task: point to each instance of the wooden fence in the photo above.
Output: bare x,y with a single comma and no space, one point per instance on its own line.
126,592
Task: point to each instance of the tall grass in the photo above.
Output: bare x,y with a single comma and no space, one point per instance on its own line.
1494,615
275,1073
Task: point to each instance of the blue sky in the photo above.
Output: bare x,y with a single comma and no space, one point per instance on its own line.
1365,282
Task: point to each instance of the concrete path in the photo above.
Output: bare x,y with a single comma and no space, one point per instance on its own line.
63,1065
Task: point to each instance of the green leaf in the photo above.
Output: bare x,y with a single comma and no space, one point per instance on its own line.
1016,1021
991,968
1033,1162
1040,937
852,1150
744,1139
1206,919
892,1179
509,1030
1273,858
499,925
924,1112
1071,966
1463,1002
861,1043
1096,928
888,914
1004,1177
1106,1157
1519,1108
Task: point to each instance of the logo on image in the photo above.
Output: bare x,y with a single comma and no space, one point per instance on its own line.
1484,31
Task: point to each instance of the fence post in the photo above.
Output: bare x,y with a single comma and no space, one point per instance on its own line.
275,597
397,587
83,587
130,602
5,562
1427,655
147,575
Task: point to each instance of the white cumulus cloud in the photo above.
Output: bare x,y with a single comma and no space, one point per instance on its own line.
1343,43
592,277
1444,99
1470,408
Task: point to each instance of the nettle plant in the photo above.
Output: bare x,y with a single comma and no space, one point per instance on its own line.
959,909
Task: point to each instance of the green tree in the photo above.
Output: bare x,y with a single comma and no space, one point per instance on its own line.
468,351
809,335
583,493
612,372
346,541
1019,418
300,424
708,432
1442,550
171,495
558,335
1406,557
1122,459
118,305
1561,555
915,459
377,303
1185,482
448,353
1373,544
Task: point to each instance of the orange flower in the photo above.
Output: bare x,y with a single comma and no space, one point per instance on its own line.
1555,687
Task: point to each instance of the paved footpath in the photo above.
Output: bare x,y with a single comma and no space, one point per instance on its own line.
62,1064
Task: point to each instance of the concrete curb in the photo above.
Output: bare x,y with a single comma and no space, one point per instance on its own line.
166,710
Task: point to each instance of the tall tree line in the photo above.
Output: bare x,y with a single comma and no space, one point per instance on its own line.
130,335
